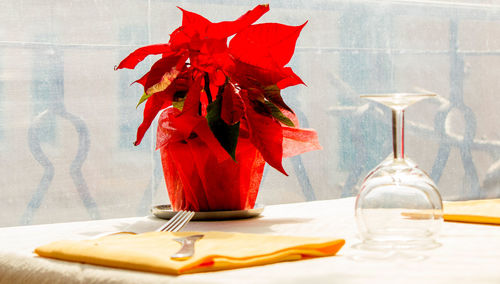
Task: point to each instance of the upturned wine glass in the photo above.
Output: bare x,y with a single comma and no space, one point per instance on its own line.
398,206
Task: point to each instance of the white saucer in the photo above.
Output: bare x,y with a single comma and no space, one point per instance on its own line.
166,212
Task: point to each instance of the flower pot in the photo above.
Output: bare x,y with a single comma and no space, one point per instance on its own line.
224,114
199,180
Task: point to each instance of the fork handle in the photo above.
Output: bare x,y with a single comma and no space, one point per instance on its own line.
186,251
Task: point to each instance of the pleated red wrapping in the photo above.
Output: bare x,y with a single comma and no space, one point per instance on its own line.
199,180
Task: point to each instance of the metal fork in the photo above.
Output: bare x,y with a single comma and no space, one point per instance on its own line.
176,223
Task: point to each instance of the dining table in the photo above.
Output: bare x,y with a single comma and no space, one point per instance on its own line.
467,253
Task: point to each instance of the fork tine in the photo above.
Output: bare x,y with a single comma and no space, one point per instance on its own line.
174,225
185,219
180,216
172,220
177,222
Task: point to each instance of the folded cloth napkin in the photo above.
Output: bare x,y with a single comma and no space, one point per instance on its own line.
486,211
215,251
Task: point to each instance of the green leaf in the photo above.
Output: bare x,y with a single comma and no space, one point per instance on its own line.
272,90
276,113
179,99
273,94
226,134
143,99
178,104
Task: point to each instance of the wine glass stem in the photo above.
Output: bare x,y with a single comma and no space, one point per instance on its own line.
398,133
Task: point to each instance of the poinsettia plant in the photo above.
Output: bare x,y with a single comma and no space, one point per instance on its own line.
219,91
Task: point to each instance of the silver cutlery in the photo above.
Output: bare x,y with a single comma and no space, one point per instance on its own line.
177,222
187,249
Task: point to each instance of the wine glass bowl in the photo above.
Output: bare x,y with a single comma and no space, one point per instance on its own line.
398,206
397,100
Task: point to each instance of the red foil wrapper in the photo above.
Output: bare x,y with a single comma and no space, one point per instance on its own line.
200,180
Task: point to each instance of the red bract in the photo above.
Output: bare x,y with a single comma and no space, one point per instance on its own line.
222,93
137,56
265,134
233,106
267,46
249,76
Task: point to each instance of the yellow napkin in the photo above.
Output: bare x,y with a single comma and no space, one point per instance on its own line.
486,211
215,251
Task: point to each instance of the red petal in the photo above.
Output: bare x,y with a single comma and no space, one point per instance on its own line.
210,56
220,78
181,81
138,55
203,102
290,79
267,45
142,80
159,100
192,102
154,104
233,107
160,68
179,39
225,29
214,90
266,135
194,21
257,77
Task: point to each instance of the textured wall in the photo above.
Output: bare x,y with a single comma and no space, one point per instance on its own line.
67,120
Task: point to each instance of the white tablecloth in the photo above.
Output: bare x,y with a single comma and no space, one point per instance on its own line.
469,253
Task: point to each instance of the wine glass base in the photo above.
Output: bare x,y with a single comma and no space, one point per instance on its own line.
393,251
391,255
414,245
